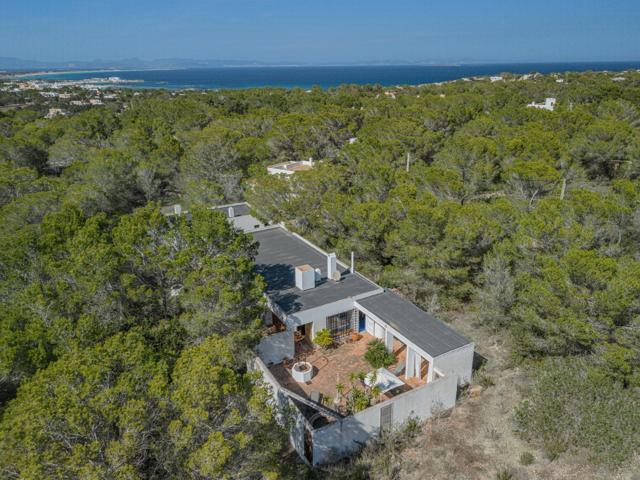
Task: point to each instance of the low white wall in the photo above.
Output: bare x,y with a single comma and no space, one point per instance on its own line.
457,363
281,400
284,406
344,437
276,347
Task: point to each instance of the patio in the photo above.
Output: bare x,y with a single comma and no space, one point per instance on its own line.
335,365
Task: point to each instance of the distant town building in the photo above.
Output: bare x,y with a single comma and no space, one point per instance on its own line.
495,79
54,112
549,104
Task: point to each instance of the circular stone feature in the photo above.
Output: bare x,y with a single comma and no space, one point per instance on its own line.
302,371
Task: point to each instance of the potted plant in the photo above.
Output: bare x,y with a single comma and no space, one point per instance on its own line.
323,338
377,354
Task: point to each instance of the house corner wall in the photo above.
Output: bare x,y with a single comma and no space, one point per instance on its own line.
458,364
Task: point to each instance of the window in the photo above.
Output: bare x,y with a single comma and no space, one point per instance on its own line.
339,325
386,418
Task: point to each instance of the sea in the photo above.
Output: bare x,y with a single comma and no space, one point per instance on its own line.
321,76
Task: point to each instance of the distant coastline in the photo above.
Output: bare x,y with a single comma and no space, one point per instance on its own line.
49,72
307,76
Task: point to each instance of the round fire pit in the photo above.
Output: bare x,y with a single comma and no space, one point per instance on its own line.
302,371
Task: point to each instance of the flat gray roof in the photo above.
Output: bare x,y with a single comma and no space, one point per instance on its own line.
423,329
239,209
280,252
242,218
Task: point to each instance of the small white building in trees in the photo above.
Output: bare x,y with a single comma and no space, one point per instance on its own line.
548,104
289,168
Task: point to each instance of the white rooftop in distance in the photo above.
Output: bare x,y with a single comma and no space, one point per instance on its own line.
289,168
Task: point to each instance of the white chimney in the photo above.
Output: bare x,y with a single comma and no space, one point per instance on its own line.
231,212
305,277
318,275
353,268
332,271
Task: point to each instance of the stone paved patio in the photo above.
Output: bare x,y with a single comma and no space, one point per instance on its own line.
335,365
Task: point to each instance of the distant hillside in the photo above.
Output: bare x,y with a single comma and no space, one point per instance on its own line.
19,64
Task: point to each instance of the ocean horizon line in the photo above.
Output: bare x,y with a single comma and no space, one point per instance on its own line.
308,76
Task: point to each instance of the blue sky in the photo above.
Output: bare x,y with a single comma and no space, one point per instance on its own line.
323,30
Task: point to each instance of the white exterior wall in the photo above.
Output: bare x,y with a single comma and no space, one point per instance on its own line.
283,406
276,347
374,328
457,363
369,325
344,437
378,331
381,329
318,316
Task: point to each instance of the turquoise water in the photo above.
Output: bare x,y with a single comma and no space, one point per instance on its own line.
324,77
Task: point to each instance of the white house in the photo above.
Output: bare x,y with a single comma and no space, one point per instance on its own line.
54,112
309,290
289,168
549,104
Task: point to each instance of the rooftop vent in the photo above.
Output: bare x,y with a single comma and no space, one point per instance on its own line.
305,277
232,213
332,270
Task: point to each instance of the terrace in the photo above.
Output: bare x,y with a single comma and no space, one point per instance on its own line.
337,365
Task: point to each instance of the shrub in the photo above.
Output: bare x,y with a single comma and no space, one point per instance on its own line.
504,474
323,338
482,378
377,354
572,404
527,458
358,400
361,395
